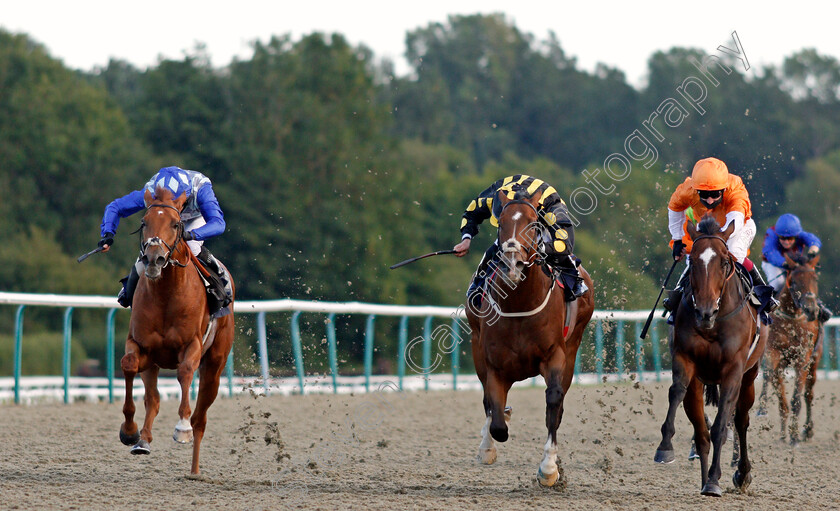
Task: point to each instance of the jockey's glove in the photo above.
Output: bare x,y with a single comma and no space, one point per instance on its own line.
679,246
813,251
188,236
108,239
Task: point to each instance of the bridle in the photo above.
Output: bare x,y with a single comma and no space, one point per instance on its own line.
725,281
144,244
536,257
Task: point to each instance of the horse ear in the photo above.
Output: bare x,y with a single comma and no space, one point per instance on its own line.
728,232
815,261
180,201
692,231
502,197
790,262
147,197
535,199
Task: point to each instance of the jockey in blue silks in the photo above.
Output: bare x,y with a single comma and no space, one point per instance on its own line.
202,217
787,238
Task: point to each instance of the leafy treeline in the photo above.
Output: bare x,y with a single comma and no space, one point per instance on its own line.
329,168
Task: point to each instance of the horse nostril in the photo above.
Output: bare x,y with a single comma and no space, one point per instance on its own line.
160,261
144,260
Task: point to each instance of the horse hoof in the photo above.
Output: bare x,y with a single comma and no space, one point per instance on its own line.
499,434
745,481
142,447
487,456
664,456
711,490
547,480
692,453
129,439
183,432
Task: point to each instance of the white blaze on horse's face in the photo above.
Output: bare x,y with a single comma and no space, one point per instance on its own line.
707,256
512,250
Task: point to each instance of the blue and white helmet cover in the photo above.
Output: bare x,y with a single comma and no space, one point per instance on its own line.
174,179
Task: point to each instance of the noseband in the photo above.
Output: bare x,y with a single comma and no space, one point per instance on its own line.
144,244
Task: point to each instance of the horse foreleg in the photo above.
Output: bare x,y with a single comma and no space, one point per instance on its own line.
808,432
129,364
729,390
186,370
746,398
152,405
683,373
802,372
495,393
693,405
777,379
548,472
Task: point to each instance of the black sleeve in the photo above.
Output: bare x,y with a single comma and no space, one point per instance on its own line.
479,209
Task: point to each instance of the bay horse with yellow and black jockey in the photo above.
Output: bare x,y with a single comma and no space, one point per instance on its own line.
171,328
524,328
717,340
796,340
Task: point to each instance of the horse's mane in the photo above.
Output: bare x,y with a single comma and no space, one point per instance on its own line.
708,226
799,258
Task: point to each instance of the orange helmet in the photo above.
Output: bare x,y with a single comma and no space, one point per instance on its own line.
709,174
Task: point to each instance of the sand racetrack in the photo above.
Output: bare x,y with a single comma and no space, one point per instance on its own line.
402,451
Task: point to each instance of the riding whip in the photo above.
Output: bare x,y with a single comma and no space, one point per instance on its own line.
653,311
409,261
94,251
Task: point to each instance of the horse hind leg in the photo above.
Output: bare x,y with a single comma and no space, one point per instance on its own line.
808,432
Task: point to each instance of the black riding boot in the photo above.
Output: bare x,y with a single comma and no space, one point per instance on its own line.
566,271
126,295
671,301
217,292
763,291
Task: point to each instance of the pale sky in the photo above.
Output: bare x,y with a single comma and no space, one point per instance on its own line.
86,34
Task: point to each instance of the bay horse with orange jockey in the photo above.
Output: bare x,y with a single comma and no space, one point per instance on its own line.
717,340
524,328
171,328
795,340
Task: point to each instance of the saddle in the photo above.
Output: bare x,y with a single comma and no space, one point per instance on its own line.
218,296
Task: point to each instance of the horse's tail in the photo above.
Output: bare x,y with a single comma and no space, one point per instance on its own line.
712,395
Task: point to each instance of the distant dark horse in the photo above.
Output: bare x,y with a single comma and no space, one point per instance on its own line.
714,342
171,328
795,340
519,332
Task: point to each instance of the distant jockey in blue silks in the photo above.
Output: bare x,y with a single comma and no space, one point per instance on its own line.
787,238
202,217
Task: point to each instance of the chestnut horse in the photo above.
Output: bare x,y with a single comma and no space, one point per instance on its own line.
171,328
518,332
716,339
795,340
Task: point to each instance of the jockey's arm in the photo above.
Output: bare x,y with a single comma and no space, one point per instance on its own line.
811,241
212,213
119,208
770,250
736,217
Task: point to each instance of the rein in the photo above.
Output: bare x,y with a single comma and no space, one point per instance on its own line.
157,241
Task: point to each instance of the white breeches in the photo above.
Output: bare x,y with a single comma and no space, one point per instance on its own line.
195,223
774,275
739,243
